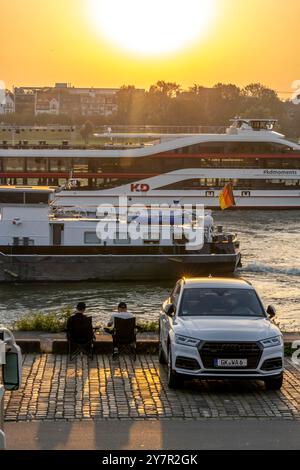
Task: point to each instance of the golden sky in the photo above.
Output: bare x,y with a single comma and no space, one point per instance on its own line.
48,41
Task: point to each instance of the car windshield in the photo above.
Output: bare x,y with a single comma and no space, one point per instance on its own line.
220,302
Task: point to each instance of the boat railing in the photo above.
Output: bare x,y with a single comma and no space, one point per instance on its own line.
149,129
113,138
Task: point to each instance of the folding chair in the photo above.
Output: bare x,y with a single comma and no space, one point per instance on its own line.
80,335
124,336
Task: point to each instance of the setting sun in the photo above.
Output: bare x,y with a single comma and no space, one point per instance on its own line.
153,27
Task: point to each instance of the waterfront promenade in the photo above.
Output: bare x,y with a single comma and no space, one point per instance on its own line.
55,388
122,404
125,404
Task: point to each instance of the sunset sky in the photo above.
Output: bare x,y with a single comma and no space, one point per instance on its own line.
238,41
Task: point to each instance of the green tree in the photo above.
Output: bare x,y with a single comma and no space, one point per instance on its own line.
228,92
262,102
131,103
259,91
168,89
158,102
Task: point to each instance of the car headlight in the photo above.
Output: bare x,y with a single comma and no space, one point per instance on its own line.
186,341
271,342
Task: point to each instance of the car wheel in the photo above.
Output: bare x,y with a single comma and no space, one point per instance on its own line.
161,354
274,383
174,380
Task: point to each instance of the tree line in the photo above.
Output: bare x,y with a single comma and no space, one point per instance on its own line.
166,103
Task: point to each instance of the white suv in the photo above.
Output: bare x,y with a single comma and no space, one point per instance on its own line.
218,328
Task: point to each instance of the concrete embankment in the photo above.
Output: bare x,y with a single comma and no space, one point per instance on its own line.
56,343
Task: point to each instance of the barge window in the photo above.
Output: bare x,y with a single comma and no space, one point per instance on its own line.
121,241
7,197
90,238
36,198
10,197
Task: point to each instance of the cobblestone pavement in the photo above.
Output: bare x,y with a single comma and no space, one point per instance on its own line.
55,388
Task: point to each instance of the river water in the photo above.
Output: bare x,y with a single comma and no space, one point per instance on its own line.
270,243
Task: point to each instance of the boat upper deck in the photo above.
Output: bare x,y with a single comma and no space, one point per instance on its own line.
130,140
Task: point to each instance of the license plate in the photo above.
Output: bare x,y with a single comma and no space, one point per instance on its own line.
231,363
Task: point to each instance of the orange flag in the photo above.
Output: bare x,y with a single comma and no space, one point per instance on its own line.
226,197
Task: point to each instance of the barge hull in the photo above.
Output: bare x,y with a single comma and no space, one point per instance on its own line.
26,268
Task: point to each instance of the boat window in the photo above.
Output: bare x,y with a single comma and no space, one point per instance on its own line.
13,164
220,302
36,164
245,147
207,184
59,164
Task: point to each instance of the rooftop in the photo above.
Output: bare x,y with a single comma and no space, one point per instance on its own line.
232,283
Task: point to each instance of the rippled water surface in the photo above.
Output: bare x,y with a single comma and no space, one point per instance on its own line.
270,243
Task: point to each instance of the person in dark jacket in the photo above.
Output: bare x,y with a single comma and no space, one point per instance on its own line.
79,326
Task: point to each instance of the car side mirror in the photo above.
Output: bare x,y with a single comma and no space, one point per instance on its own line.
271,311
170,310
11,371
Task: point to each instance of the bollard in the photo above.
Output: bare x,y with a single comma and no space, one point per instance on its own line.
2,435
2,440
11,372
1,408
12,363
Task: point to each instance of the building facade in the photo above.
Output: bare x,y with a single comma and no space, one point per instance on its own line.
65,99
7,104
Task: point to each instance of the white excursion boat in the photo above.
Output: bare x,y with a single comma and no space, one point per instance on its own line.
263,166
41,242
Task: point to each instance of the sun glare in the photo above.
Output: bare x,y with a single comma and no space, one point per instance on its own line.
152,27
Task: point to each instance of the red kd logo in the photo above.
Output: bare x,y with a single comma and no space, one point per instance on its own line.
139,188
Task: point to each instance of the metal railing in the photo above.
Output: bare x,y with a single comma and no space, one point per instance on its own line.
149,129
69,137
118,128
